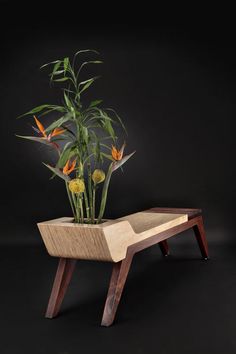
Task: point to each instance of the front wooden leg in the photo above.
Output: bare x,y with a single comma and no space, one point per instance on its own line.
164,248
118,278
62,279
201,237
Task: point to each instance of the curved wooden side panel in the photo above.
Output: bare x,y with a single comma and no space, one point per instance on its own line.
71,241
131,229
118,236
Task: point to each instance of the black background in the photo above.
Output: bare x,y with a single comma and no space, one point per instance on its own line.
173,83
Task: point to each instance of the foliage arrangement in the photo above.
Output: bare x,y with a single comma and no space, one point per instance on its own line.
83,138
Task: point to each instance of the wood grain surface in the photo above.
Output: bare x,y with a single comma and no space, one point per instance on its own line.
107,241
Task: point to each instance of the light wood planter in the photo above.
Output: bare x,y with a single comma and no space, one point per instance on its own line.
115,241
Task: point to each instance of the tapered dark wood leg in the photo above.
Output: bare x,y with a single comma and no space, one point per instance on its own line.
62,279
118,278
201,238
164,248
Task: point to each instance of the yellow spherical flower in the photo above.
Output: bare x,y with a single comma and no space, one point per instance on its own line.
98,176
76,185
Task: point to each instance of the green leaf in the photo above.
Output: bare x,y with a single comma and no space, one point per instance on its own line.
67,101
69,130
58,72
35,110
52,62
54,108
98,151
62,79
59,122
56,66
66,63
107,126
87,63
119,119
57,172
85,51
36,139
84,131
118,164
107,156
95,103
87,83
66,154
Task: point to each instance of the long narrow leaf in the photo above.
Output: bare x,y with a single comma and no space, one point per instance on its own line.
59,122
118,164
52,62
36,139
95,103
85,51
62,79
57,172
107,156
67,101
35,110
66,63
66,154
53,108
87,83
119,119
55,69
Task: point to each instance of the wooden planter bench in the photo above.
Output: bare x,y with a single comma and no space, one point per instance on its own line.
115,241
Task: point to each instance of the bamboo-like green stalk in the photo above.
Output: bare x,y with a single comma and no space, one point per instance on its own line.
70,199
90,190
104,194
75,201
80,198
86,204
94,199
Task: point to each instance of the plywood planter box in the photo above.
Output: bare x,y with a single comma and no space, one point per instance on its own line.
116,241
107,241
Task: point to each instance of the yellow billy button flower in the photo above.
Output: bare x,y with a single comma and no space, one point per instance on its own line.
98,176
76,185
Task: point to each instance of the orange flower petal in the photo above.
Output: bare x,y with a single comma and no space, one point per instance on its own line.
40,126
117,154
66,167
57,131
72,166
69,167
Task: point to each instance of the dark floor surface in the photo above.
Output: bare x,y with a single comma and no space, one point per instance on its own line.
175,305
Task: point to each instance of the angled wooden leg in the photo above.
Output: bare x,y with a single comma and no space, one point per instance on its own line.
118,278
164,248
201,237
62,279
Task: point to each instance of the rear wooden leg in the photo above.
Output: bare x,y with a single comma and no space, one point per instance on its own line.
164,248
118,278
201,237
62,279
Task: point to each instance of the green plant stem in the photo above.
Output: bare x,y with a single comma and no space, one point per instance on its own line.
80,197
86,204
94,198
70,199
90,189
104,194
76,208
